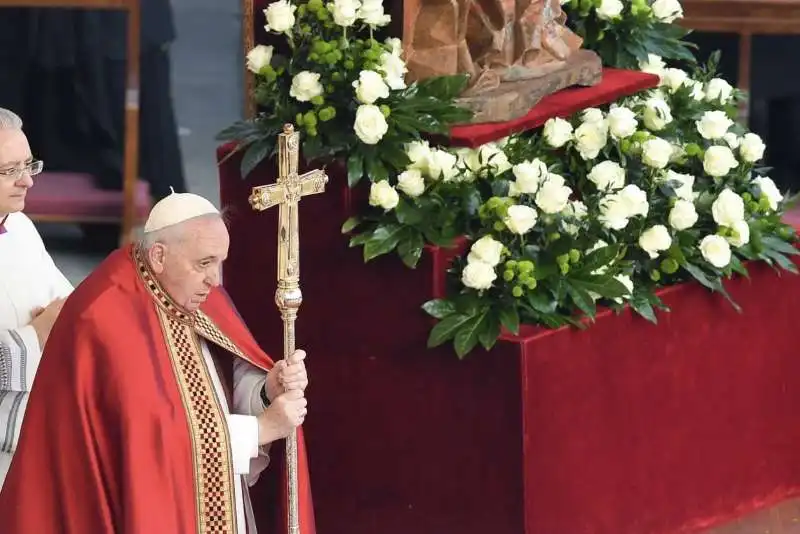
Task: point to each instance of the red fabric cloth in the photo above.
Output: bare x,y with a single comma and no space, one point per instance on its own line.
106,447
616,83
626,428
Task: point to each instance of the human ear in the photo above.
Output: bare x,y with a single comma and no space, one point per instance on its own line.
157,255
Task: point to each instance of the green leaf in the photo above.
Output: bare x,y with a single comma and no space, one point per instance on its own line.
410,247
582,300
238,131
489,331
467,336
509,318
376,170
446,329
698,274
439,308
254,155
350,224
781,260
780,245
605,286
541,302
408,213
738,267
599,258
355,169
384,239
641,305
360,239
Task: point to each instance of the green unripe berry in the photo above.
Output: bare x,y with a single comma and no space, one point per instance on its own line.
693,149
511,264
524,277
385,110
531,283
563,259
564,267
299,119
574,256
763,203
318,100
327,113
555,236
525,266
494,203
655,275
310,119
669,266
498,226
747,197
517,291
348,64
508,276
312,131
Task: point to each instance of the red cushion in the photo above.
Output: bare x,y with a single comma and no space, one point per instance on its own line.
74,195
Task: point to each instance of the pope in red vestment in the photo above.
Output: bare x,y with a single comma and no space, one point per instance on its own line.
124,432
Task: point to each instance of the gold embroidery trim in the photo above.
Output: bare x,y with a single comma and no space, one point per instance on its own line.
208,429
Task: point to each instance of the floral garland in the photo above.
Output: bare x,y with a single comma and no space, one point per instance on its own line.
605,207
600,209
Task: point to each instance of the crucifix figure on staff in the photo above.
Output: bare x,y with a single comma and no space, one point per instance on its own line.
154,408
286,193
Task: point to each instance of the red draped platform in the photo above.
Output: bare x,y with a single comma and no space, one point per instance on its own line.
626,428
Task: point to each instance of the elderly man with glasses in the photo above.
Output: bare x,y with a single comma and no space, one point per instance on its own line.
32,289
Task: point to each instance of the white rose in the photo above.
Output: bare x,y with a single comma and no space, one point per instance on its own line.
740,234
468,161
492,156
383,195
395,45
719,161
411,182
656,153
683,215
751,148
591,138
713,124
305,86
478,275
769,190
667,10
682,184
626,281
716,251
613,212
575,210
728,208
486,249
258,58
654,240
557,132
652,65
718,90
634,200
553,195
607,176
674,79
280,16
732,140
373,14
656,114
370,87
592,115
394,70
622,122
442,164
419,153
520,219
345,12
609,9
370,125
698,93
528,176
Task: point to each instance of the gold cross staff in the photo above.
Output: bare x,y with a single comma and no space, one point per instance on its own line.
286,193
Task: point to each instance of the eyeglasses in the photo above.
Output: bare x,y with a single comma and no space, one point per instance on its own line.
15,173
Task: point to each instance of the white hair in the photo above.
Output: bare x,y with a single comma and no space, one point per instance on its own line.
9,120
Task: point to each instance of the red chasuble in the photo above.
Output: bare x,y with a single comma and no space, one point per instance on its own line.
123,433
